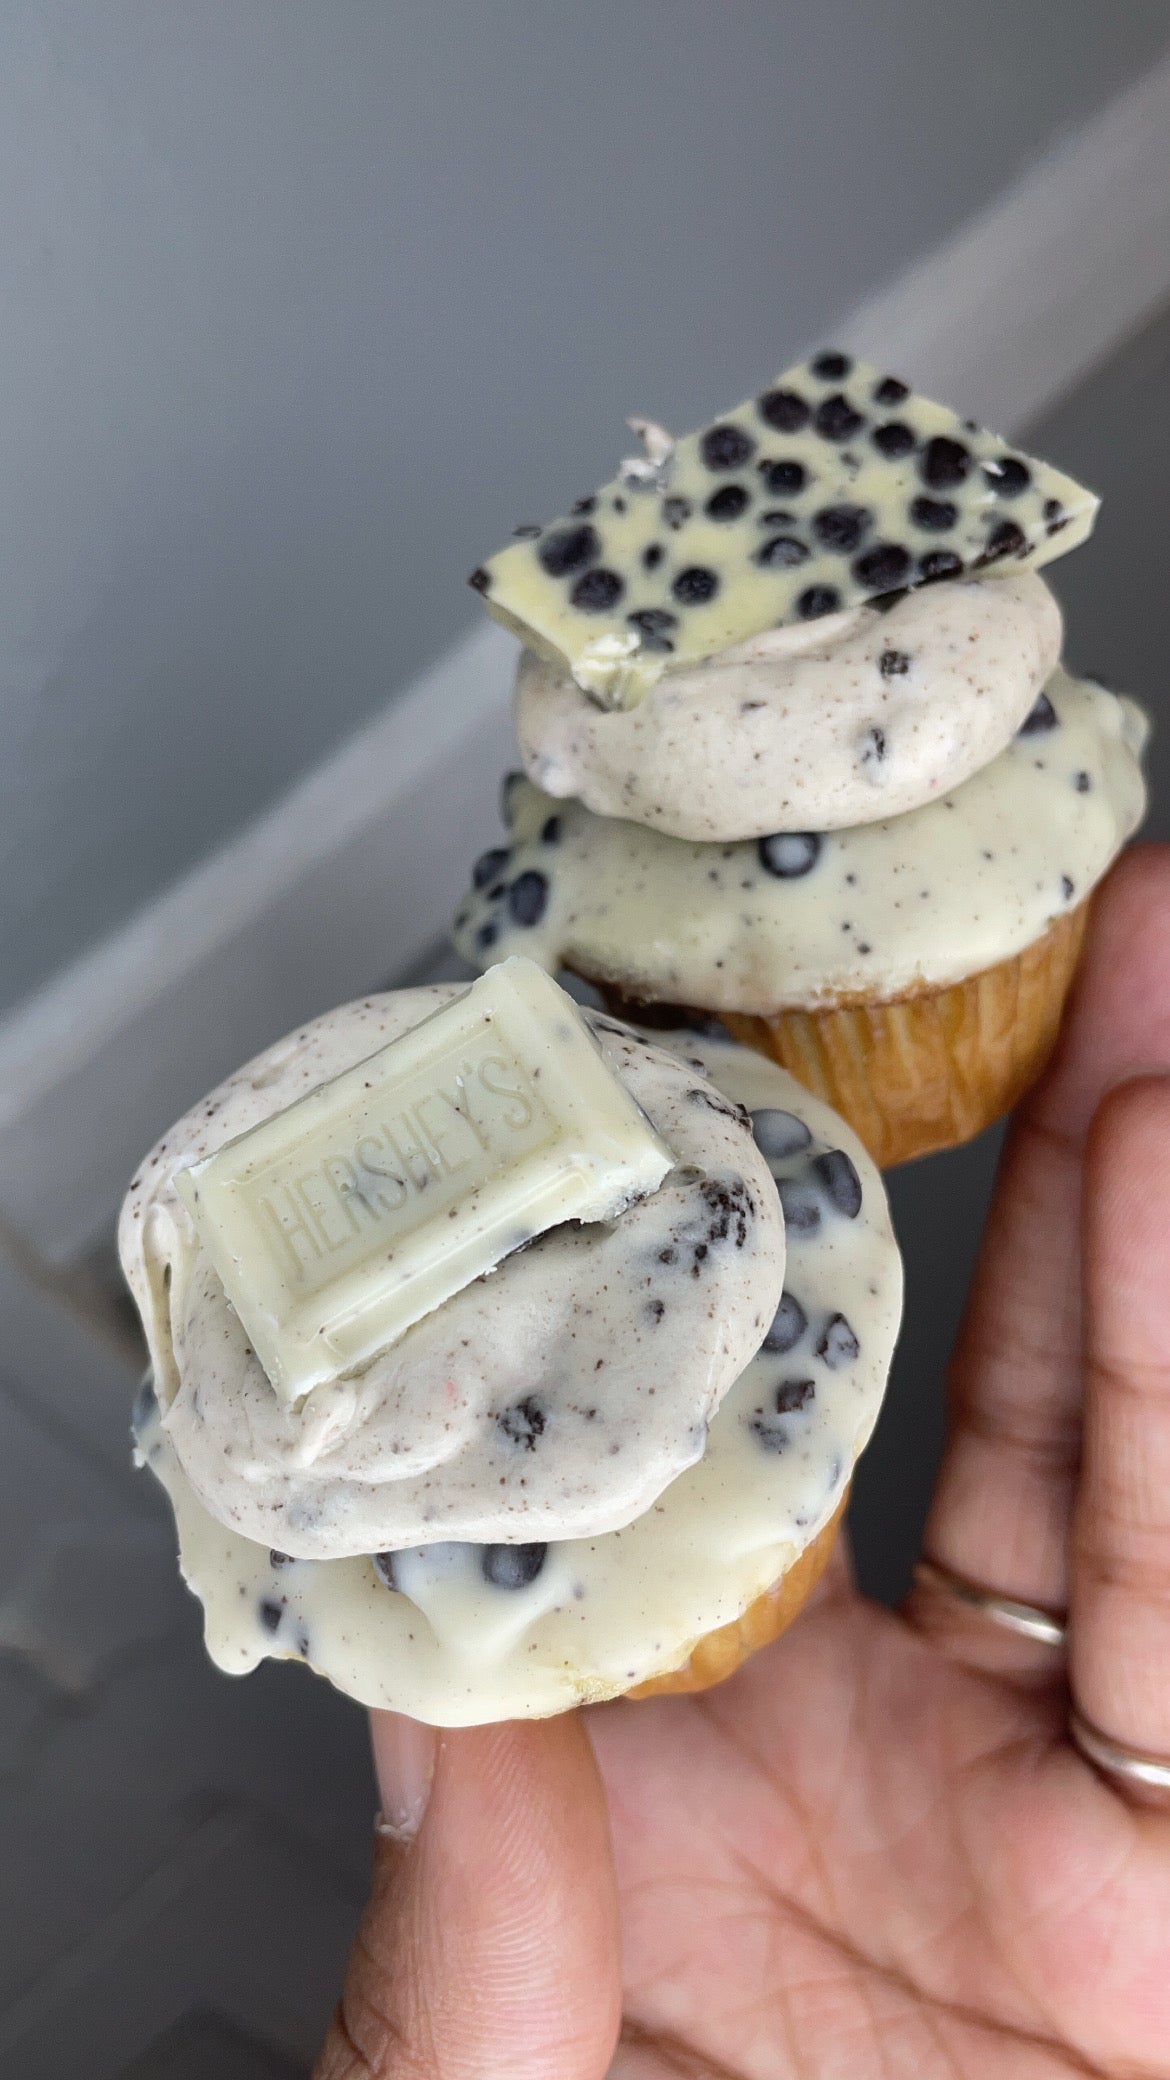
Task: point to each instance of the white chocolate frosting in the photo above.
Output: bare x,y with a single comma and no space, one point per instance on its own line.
811,726
804,919
471,1633
557,1396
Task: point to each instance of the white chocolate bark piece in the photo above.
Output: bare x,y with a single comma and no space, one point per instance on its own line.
457,1634
558,1395
817,725
807,918
835,485
338,1223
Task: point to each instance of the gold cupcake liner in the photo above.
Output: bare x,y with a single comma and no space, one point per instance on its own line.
718,1654
930,1068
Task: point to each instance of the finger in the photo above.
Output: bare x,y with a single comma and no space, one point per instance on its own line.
1120,1638
490,1943
1002,1504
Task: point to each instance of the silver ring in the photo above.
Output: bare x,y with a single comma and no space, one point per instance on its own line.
1129,1764
1026,1619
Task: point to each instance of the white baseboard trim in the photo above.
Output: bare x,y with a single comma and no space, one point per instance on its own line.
354,872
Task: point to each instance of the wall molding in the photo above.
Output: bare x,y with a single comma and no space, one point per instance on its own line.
352,874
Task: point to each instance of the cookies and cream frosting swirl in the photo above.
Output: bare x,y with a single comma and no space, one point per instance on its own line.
815,917
458,1633
557,1396
820,724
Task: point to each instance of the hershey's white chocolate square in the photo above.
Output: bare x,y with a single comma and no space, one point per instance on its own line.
357,1210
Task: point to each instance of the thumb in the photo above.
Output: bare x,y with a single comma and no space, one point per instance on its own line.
490,1943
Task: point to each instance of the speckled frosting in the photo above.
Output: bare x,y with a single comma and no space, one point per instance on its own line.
822,724
460,1633
811,918
556,1396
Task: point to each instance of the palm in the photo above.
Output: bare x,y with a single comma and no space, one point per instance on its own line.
861,1857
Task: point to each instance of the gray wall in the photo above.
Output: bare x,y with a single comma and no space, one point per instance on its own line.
304,305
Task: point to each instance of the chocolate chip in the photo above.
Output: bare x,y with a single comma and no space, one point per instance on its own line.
653,625
783,478
727,504
939,563
782,552
526,533
837,1344
568,549
695,585
934,514
384,1569
278,1559
1004,540
886,564
786,410
840,1180
585,505
656,1309
874,746
788,1328
676,512
489,865
890,390
270,1614
486,936
788,854
509,785
818,600
792,1394
779,1134
597,591
528,896
831,367
145,1407
894,438
835,418
1041,717
1082,783
841,527
1066,887
523,1423
480,580
944,463
726,447
800,1206
893,664
1008,476
550,831
652,556
512,1567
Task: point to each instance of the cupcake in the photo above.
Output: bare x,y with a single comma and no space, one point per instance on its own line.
800,754
615,1461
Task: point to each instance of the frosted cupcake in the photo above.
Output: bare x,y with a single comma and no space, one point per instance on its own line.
801,754
616,1462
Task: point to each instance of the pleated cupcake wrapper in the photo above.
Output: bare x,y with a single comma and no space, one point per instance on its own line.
933,1068
718,1654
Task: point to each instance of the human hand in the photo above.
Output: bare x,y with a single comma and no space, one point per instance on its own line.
875,1851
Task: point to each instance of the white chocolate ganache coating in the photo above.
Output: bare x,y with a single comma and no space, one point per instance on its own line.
558,1395
458,1633
811,918
824,723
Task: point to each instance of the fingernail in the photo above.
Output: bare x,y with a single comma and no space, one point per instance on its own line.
405,1752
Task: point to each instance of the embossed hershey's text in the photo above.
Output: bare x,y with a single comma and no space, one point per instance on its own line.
356,1184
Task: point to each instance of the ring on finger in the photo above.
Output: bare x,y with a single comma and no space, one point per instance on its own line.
1128,1766
1028,1620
